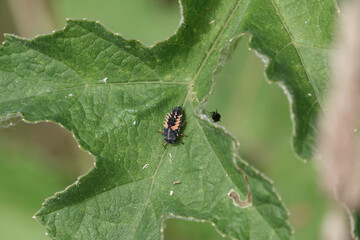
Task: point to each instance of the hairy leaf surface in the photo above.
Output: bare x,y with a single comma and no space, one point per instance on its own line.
114,94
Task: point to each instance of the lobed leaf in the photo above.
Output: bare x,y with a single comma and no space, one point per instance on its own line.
114,94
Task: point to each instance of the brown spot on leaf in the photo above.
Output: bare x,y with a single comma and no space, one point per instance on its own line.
236,199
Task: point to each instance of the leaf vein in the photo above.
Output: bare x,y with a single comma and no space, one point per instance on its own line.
92,85
89,198
295,46
212,49
149,194
123,50
207,141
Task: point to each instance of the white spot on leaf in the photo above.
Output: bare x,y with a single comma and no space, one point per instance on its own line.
171,158
171,193
146,166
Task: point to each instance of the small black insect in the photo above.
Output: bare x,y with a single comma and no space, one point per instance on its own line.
215,116
172,124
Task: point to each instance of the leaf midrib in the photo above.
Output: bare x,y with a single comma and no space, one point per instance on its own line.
190,89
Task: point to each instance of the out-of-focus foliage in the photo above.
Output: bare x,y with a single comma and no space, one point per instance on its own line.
25,179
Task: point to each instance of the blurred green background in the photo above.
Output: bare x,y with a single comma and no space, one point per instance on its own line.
36,160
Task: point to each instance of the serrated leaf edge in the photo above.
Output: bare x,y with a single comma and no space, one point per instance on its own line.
199,113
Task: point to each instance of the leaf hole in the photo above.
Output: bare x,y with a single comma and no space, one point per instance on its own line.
36,160
148,21
54,146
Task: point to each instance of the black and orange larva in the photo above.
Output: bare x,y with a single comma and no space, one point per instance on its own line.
172,125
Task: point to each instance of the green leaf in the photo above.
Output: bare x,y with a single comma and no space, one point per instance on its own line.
356,221
114,94
295,37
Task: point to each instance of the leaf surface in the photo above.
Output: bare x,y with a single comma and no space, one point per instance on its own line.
114,94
